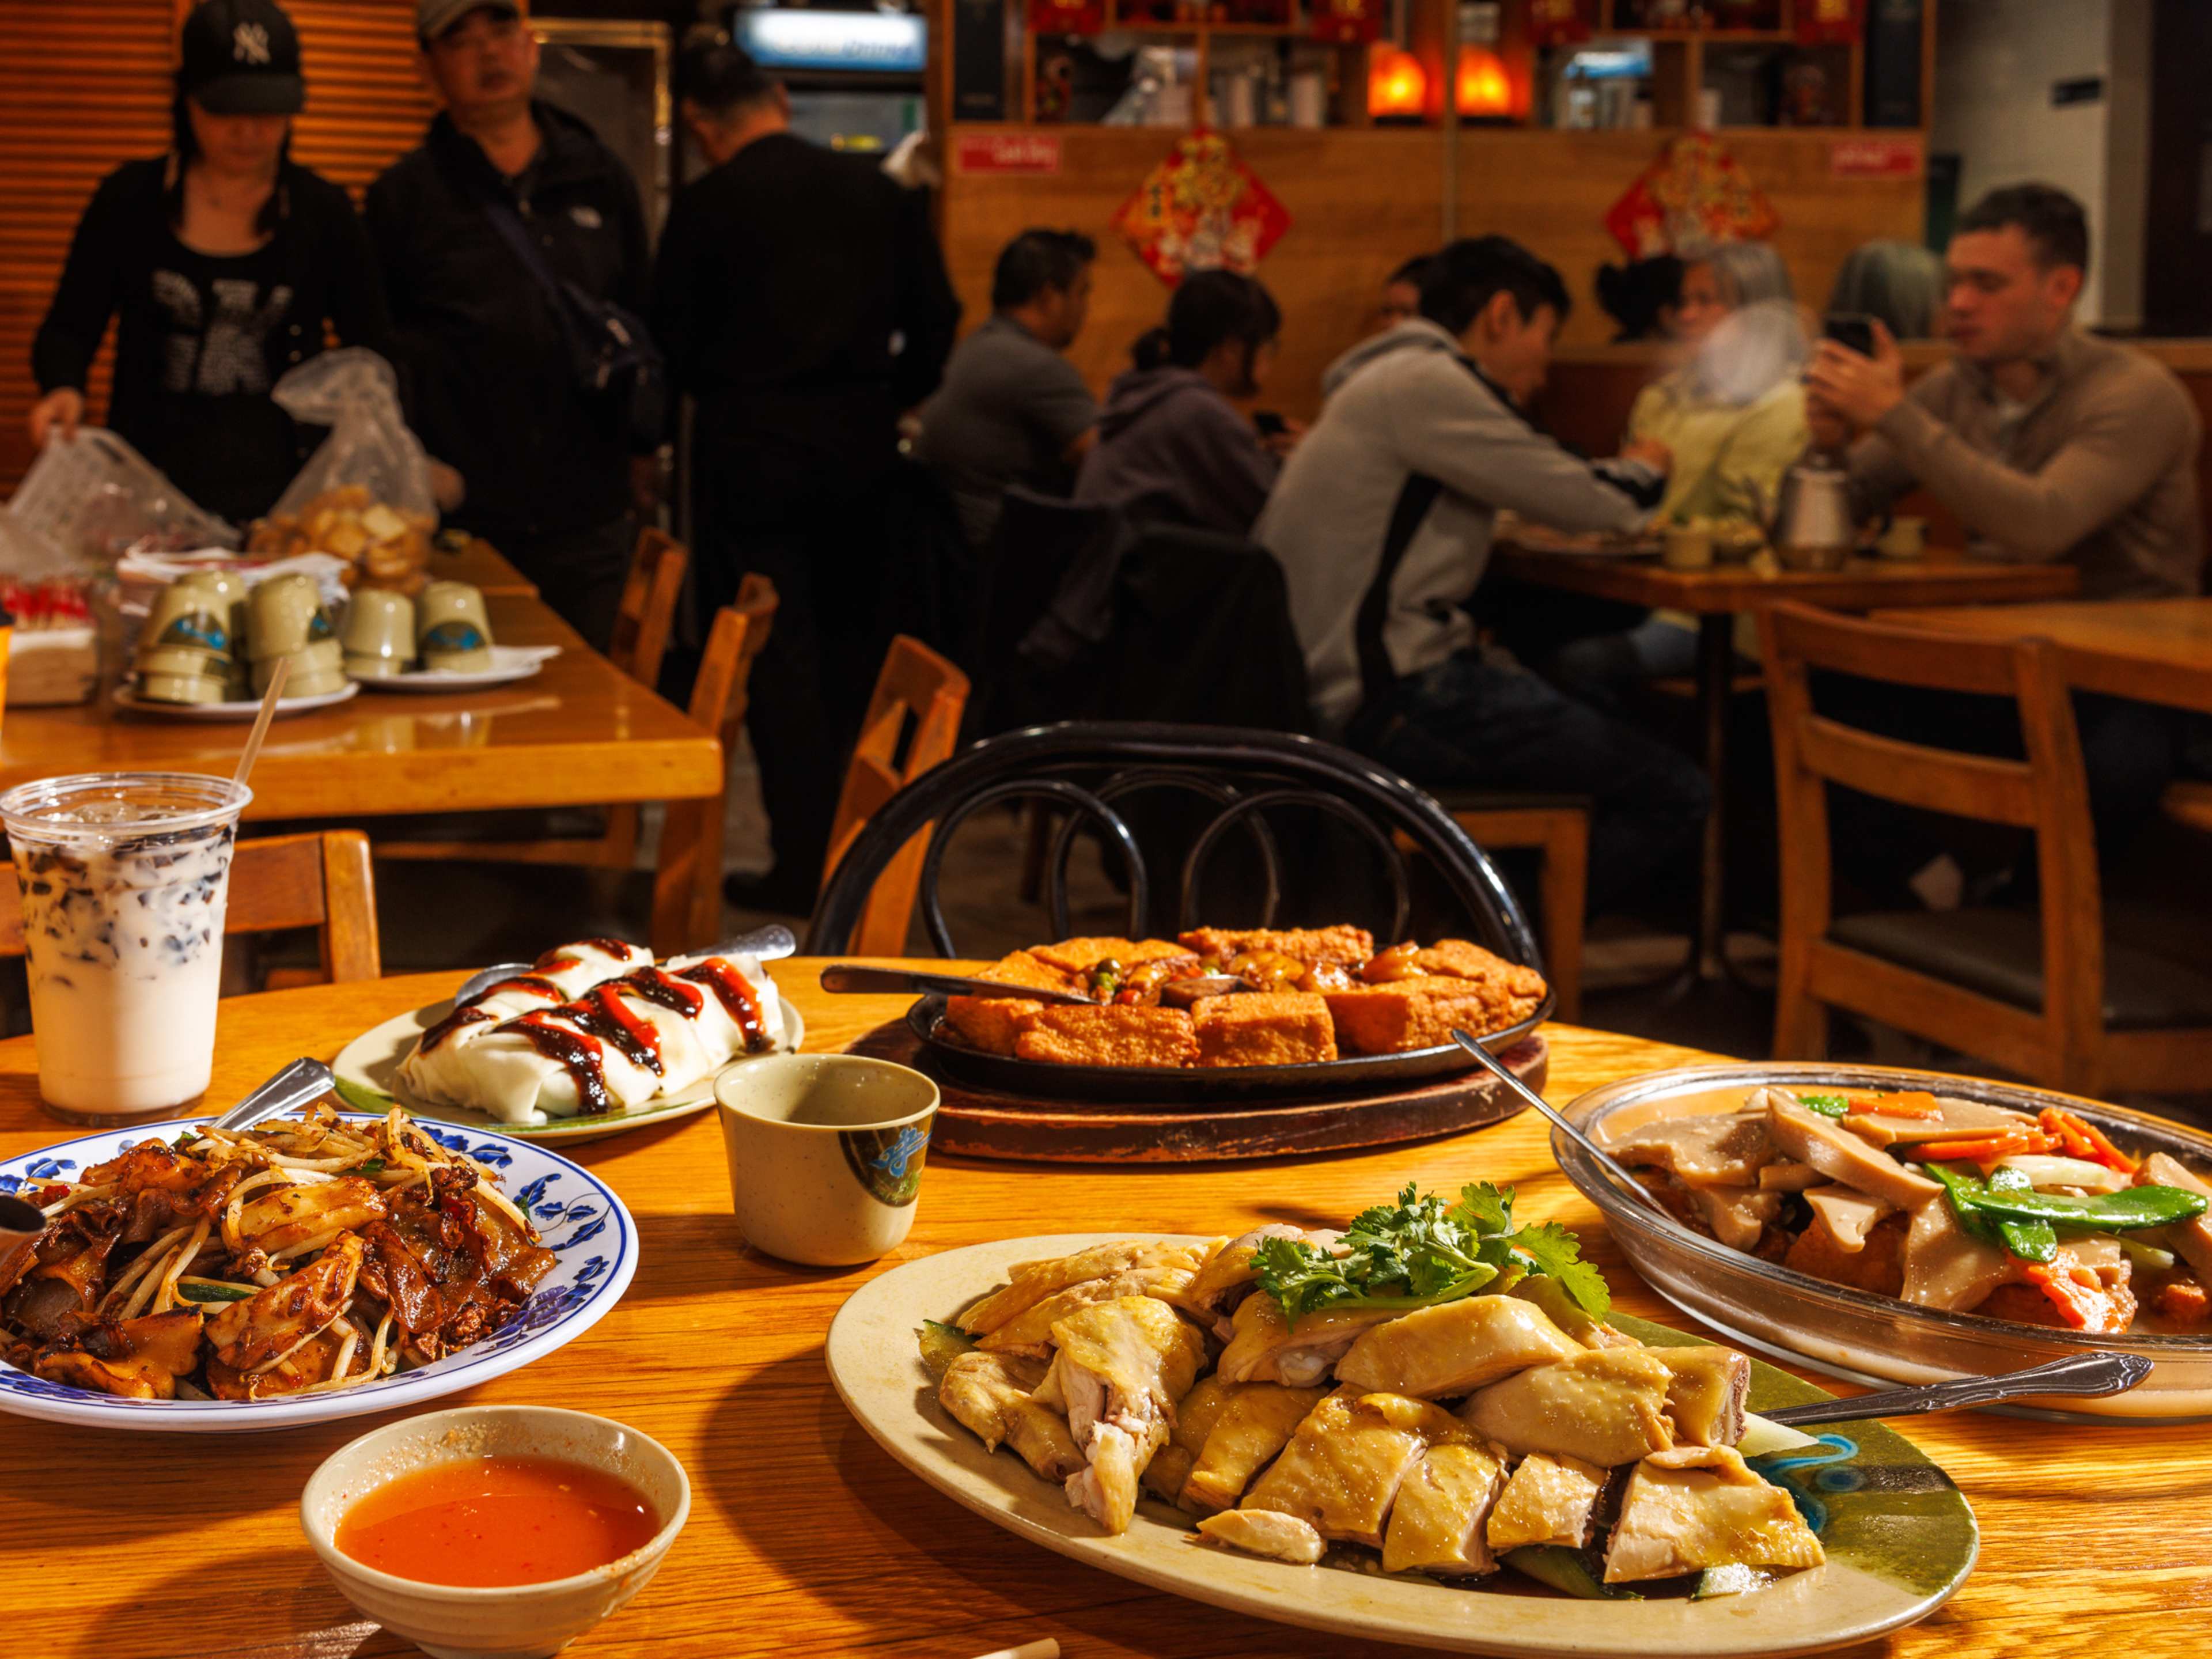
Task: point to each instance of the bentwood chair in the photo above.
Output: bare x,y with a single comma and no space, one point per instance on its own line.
1257,789
912,726
287,881
2049,996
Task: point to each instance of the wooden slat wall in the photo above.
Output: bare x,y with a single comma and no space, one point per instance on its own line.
84,86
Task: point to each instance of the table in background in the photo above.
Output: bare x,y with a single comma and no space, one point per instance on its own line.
805,1539
1943,576
580,732
483,567
2152,650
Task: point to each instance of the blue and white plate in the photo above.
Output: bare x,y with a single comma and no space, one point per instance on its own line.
578,1217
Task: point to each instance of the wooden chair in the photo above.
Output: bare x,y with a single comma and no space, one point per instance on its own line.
2049,997
647,615
913,724
2189,803
319,881
1560,831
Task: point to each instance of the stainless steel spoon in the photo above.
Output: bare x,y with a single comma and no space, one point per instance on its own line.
1607,1161
852,977
19,1220
303,1080
2081,1375
767,943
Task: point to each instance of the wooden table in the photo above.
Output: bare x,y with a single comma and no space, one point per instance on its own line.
579,733
2153,650
1942,576
481,566
805,1539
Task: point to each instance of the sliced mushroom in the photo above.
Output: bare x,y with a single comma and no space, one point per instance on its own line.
1845,1216
1788,1175
1841,1156
1707,1149
1960,1118
1945,1269
1183,993
2191,1240
1737,1218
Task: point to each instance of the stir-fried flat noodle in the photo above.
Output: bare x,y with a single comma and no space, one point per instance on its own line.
307,1255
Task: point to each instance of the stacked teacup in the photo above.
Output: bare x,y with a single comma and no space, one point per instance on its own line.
380,634
188,650
452,631
285,621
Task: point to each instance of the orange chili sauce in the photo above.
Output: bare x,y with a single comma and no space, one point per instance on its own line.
496,1521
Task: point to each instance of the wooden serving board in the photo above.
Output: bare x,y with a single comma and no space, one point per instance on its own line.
982,1123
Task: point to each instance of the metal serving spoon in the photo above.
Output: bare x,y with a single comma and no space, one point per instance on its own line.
19,1220
303,1080
852,977
767,943
2082,1374
1607,1161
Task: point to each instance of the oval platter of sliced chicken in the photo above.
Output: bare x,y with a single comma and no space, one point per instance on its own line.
1500,1471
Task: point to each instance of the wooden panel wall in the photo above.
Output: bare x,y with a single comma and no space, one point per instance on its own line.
1361,201
84,86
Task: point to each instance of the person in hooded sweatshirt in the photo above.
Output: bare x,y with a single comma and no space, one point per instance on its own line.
1381,522
1173,447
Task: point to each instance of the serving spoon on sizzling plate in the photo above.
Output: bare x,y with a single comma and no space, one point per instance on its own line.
766,944
2081,1375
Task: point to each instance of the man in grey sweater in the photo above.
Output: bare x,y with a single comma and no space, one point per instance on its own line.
2051,446
1381,522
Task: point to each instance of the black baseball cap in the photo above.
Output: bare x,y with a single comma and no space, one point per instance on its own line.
241,57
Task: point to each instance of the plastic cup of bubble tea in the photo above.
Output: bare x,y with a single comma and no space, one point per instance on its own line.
123,877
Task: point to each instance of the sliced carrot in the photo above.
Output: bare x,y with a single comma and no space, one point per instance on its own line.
1917,1104
2080,1299
2106,1152
2067,1128
1984,1149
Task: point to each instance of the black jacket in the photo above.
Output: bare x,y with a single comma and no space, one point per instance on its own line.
231,452
783,277
485,363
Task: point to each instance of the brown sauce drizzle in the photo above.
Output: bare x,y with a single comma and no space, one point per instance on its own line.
579,1054
737,997
436,1036
600,1013
653,985
558,958
472,1012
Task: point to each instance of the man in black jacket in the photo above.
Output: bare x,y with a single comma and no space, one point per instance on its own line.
547,464
801,299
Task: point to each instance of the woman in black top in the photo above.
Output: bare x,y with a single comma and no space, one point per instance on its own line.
223,261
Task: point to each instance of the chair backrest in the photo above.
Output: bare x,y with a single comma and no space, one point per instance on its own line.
647,615
1085,767
912,726
2046,793
320,881
1038,540
721,694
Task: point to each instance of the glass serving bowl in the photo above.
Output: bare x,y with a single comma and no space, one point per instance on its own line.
1855,1335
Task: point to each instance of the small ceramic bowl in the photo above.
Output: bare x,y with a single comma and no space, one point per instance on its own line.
515,1621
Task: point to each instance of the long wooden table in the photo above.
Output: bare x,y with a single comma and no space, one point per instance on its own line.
580,732
2152,650
1717,596
482,565
805,1539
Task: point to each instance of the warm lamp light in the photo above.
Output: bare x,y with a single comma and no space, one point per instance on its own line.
1396,83
1485,89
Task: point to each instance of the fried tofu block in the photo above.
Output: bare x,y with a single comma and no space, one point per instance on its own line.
1067,1036
1419,1013
1307,944
993,1024
1079,956
1263,1028
1458,958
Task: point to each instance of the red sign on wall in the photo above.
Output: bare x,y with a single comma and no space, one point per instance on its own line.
1875,158
1007,152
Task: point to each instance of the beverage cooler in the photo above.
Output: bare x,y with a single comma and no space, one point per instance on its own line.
855,78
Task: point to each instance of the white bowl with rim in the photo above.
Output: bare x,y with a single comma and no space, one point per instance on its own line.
505,1621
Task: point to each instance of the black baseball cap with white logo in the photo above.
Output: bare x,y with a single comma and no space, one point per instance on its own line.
241,57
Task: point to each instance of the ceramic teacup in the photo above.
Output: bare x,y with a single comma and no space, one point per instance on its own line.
182,673
1906,538
317,670
229,590
826,1153
190,615
379,634
451,630
284,615
1687,547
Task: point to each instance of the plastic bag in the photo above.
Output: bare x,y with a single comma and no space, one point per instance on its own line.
355,393
91,496
27,556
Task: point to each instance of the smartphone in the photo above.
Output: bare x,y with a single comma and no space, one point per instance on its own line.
1271,424
1853,329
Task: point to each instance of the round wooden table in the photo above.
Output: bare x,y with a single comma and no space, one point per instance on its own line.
804,1538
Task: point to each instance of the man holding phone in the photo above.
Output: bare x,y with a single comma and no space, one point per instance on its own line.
2049,444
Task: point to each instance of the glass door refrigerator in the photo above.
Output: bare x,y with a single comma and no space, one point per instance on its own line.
855,78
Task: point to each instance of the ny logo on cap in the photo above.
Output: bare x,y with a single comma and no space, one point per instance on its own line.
249,42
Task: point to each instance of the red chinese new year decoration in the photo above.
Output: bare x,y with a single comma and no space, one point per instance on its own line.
1694,194
1557,22
1068,16
1485,89
1346,22
1201,209
1397,85
1829,22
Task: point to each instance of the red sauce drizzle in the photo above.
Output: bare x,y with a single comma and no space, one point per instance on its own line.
472,1012
653,985
600,1011
579,1053
736,997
